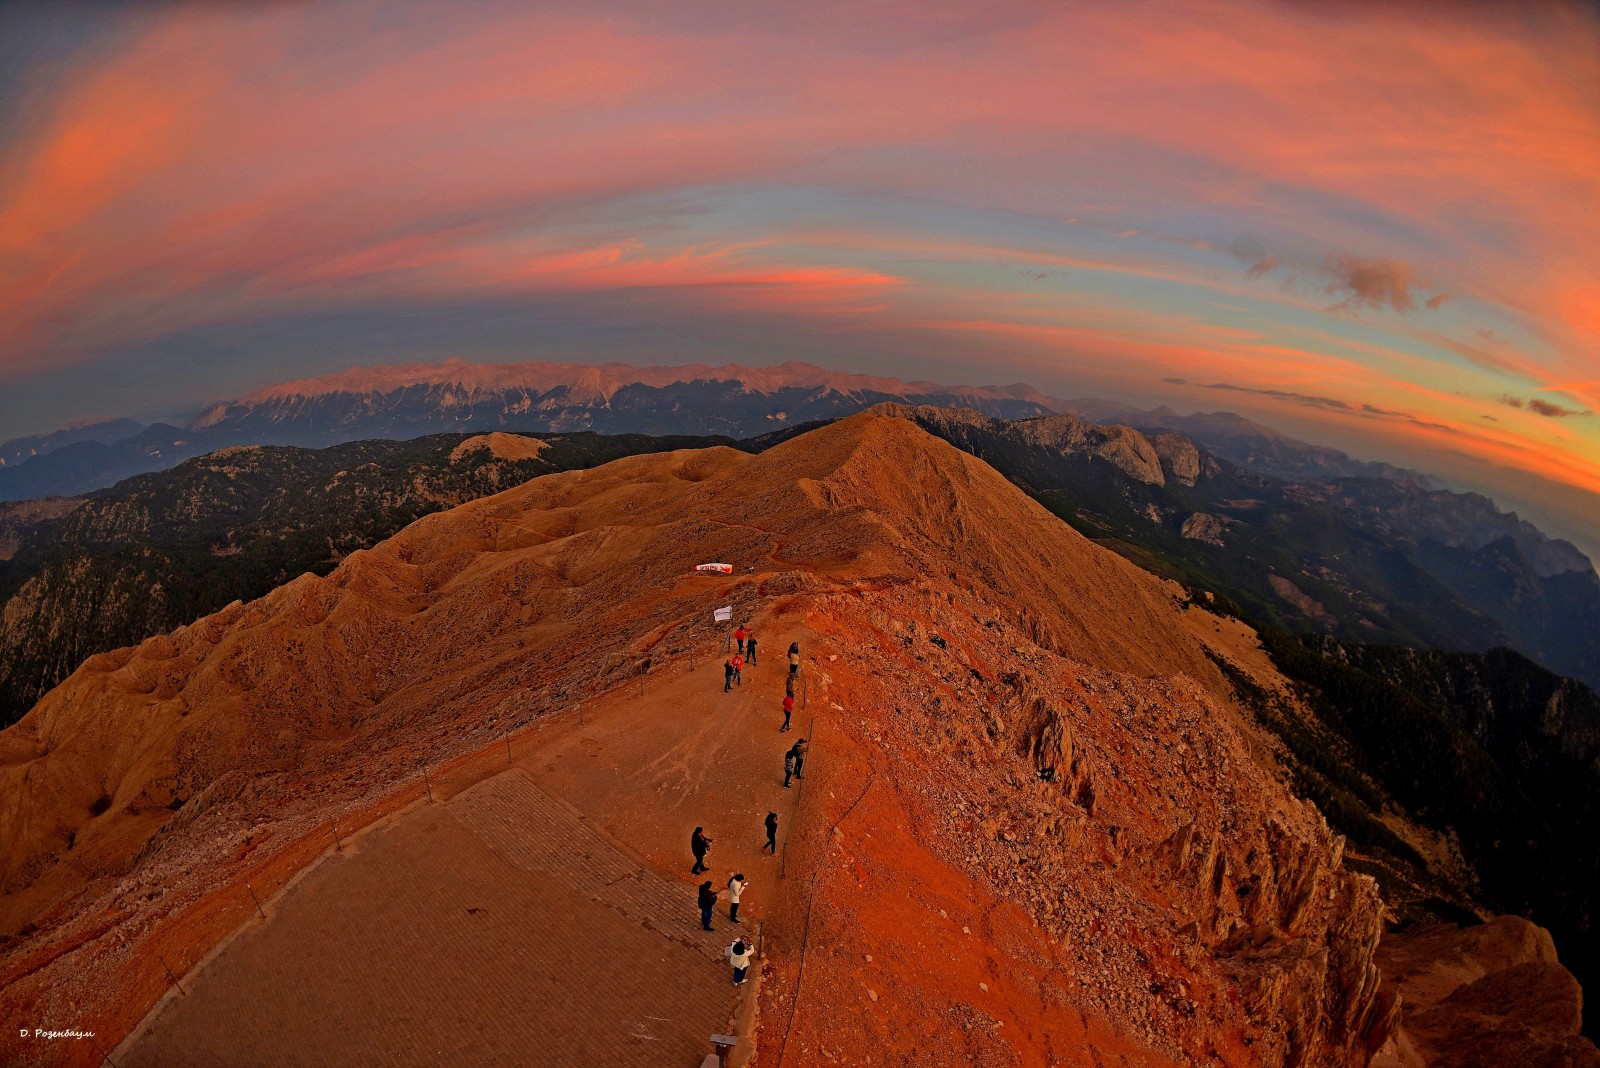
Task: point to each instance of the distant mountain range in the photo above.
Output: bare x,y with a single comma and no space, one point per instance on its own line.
1299,534
457,397
1361,558
1246,443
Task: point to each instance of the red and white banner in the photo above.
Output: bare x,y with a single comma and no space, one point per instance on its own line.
726,569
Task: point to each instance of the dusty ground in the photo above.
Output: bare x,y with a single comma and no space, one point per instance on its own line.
492,928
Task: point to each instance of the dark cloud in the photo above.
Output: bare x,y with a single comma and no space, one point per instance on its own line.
1553,411
1540,406
1368,283
1312,400
1357,281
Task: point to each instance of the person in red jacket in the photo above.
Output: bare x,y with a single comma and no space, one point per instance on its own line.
738,667
739,636
788,710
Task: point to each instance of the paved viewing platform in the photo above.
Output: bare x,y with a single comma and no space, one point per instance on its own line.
493,928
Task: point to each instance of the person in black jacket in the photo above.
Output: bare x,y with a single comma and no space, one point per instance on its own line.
772,833
698,844
708,901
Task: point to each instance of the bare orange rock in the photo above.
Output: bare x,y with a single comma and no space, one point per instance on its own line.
1487,995
501,446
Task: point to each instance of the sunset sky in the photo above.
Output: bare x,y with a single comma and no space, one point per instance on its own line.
1373,225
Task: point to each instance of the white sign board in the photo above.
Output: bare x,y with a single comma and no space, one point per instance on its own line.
725,569
723,615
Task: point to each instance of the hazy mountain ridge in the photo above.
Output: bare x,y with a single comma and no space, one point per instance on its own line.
90,464
20,450
739,401
1353,557
1247,443
1418,504
457,397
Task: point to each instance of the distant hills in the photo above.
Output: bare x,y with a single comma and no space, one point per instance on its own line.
1246,443
457,397
1300,535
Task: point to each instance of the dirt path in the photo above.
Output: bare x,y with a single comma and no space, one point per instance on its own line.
543,915
649,769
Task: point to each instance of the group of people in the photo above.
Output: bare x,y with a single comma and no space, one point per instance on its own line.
740,952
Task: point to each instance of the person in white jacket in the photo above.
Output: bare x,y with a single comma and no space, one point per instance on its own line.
736,887
739,954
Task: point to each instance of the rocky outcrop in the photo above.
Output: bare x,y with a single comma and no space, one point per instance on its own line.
1488,995
1180,457
1202,526
1124,448
1137,827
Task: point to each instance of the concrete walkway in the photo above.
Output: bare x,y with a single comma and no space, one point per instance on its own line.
496,928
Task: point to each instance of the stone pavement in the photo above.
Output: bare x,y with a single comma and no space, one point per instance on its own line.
496,928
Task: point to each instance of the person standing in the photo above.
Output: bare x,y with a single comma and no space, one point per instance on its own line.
698,845
788,767
750,647
800,749
739,636
727,675
772,833
788,685
736,887
708,901
738,670
794,658
788,710
739,955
